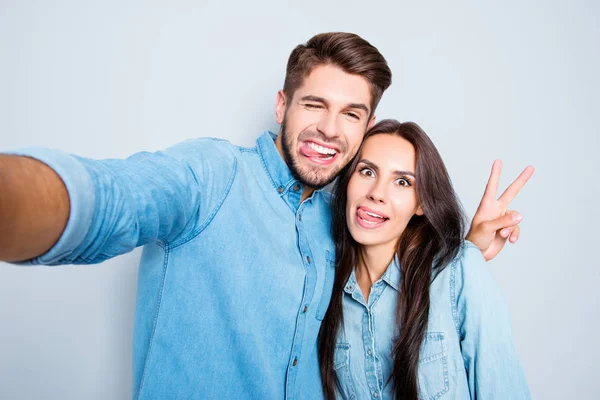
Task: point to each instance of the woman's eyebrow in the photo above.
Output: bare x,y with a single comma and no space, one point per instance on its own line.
374,166
369,164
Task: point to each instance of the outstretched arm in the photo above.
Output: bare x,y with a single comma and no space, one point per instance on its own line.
66,209
493,224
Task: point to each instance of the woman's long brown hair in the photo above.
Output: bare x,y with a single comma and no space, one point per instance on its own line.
428,243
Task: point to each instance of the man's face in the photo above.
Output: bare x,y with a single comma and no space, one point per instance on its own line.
324,123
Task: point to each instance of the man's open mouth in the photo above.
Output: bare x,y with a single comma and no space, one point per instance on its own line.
317,153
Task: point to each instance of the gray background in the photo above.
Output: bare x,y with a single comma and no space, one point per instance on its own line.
516,81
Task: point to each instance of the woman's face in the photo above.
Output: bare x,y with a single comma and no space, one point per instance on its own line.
381,191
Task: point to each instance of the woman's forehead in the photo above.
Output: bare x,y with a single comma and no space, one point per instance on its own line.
389,152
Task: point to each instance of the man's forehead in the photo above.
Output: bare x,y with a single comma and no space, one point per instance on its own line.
335,86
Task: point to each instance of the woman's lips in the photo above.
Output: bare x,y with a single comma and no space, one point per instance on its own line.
370,219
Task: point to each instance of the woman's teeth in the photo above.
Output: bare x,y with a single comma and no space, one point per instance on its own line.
374,215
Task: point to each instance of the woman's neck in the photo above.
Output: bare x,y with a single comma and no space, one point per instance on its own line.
372,264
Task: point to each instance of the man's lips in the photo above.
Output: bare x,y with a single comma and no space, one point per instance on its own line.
318,153
369,218
328,147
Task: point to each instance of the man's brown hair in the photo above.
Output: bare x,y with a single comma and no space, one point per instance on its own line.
353,54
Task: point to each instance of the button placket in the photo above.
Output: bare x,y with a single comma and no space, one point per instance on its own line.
308,294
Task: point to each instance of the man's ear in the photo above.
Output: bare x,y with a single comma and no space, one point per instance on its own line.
280,106
371,122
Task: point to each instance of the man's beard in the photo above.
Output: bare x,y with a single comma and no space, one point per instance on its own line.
313,178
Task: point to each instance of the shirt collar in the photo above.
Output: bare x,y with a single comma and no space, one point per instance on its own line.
276,168
391,277
392,274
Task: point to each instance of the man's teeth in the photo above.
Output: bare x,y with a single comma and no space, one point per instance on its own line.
374,215
321,149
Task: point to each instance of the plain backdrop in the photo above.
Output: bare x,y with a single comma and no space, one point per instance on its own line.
516,80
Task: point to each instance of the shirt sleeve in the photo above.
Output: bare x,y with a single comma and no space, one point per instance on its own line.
484,327
119,204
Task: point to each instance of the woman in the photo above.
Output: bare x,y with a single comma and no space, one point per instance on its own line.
414,311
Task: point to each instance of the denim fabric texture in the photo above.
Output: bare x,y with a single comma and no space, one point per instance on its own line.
236,273
467,352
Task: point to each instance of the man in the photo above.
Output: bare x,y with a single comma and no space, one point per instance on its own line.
238,263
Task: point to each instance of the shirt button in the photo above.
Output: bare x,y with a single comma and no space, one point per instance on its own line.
369,352
296,188
305,309
280,189
295,362
349,287
308,259
300,217
375,394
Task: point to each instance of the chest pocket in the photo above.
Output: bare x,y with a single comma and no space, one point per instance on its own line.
327,285
433,367
341,365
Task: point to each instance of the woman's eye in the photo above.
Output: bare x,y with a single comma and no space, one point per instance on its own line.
403,182
367,172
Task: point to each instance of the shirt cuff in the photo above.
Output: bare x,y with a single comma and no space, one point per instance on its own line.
82,198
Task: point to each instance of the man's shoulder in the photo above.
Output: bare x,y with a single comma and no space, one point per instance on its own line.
326,195
208,152
203,145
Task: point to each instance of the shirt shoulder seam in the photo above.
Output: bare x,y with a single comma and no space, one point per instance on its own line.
453,297
213,212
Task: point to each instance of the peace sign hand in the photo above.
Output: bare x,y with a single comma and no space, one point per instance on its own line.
493,223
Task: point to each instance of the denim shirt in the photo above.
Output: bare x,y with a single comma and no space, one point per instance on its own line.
236,273
467,352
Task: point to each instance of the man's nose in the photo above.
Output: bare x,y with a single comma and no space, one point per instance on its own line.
329,125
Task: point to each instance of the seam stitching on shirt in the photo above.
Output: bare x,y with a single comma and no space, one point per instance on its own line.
264,164
212,214
154,323
453,299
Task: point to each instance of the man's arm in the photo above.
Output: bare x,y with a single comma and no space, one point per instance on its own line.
34,208
483,322
112,205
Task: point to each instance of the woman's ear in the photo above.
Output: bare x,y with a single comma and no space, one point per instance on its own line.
419,211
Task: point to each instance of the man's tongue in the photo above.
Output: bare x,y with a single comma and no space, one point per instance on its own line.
310,152
363,214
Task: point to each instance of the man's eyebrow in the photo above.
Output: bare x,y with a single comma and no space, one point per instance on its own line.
317,99
358,106
373,166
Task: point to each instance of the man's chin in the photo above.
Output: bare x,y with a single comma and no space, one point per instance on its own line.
317,178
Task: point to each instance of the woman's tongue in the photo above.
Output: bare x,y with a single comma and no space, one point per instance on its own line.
363,215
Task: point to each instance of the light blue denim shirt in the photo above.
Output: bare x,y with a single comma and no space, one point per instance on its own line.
236,273
467,352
